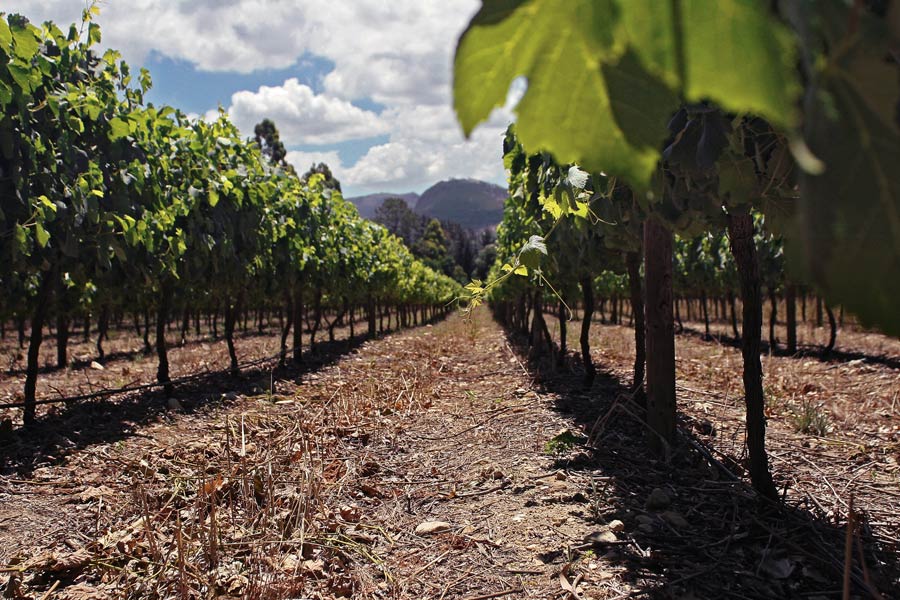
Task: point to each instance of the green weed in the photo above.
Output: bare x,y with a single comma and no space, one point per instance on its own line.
562,443
811,419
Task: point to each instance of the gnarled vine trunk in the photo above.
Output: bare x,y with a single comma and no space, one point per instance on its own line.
370,309
45,292
790,298
660,341
286,327
587,293
832,330
298,324
62,339
740,230
162,317
230,317
563,333
732,304
102,330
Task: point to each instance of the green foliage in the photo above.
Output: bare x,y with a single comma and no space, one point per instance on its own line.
432,248
563,442
605,79
850,213
269,141
812,419
120,200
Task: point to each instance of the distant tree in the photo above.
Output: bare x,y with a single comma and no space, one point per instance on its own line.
398,218
330,181
483,262
460,275
266,135
432,248
462,245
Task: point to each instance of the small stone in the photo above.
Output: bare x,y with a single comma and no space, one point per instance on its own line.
675,520
602,537
174,404
659,499
97,366
432,527
616,525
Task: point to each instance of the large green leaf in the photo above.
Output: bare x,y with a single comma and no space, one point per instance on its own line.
850,214
5,34
738,56
605,76
27,43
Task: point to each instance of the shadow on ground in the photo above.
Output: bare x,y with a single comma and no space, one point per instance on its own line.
819,353
69,428
691,530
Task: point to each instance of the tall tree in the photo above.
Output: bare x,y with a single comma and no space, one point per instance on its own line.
398,218
432,248
266,135
329,183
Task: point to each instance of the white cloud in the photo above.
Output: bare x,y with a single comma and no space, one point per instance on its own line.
382,50
302,161
302,116
398,54
426,146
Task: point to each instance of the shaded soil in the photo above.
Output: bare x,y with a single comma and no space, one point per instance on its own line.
439,463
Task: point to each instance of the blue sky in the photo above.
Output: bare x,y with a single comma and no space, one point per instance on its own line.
363,85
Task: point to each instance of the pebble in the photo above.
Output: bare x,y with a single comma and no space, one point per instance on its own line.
432,527
604,537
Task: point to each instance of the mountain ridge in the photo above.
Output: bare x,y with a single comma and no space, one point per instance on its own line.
472,203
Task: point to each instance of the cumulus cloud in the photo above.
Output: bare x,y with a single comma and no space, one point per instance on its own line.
304,117
302,161
216,35
426,146
381,50
398,54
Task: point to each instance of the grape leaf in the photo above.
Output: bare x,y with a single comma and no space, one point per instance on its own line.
850,214
605,77
5,34
41,235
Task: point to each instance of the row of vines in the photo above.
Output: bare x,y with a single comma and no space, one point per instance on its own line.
113,205
653,135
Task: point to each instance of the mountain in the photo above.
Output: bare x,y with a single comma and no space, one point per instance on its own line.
367,205
471,203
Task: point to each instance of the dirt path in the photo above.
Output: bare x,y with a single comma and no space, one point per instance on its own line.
427,464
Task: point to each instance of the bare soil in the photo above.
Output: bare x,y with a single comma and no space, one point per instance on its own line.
439,463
